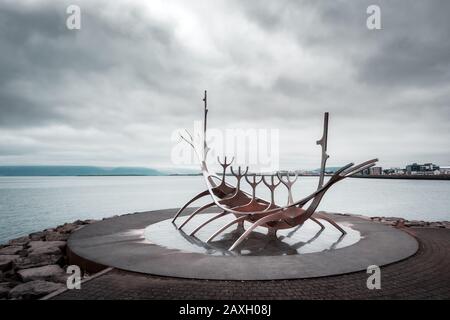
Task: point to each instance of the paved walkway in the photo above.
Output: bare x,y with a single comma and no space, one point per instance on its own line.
426,275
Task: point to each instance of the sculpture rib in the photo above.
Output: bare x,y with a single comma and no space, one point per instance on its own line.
237,220
198,196
269,218
329,220
318,222
193,214
223,213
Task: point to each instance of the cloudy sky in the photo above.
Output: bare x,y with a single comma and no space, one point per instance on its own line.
113,93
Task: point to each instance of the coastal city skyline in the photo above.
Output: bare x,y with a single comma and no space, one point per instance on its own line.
72,170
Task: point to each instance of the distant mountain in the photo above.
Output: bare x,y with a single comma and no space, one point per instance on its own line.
328,169
77,171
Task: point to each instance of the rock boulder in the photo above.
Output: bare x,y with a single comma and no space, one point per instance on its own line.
34,289
68,227
56,236
33,261
5,287
8,250
46,247
6,261
52,273
35,236
22,241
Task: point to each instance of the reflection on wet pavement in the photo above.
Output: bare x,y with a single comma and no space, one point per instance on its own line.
307,238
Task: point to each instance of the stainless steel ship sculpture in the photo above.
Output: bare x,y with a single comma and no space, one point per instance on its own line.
232,200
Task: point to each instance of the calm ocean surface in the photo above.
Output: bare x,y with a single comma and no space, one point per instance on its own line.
30,204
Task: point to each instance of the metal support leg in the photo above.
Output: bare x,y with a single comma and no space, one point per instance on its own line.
272,232
318,222
200,195
271,217
193,214
240,225
225,227
334,224
208,221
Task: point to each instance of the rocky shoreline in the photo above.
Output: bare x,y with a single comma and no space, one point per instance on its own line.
34,266
400,222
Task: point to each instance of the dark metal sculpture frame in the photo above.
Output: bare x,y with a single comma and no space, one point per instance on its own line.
248,207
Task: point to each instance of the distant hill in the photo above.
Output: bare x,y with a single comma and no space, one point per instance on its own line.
77,171
328,169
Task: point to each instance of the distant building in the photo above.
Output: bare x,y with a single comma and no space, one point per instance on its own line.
393,171
376,171
427,168
444,170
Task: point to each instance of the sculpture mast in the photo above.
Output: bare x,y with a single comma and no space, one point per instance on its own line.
323,143
205,147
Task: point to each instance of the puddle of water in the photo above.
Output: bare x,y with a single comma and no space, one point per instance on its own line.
308,238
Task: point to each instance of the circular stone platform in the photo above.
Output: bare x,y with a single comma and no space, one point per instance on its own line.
149,243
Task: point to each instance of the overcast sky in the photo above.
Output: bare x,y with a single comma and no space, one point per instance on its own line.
113,93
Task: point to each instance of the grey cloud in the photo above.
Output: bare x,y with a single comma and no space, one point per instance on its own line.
40,52
18,111
118,88
411,50
416,53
